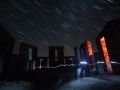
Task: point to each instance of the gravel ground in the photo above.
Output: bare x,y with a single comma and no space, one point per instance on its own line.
106,82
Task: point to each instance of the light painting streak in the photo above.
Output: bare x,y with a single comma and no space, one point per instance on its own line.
106,55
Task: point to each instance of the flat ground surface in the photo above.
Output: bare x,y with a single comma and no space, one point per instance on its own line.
105,82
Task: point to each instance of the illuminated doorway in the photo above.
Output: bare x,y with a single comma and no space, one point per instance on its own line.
106,55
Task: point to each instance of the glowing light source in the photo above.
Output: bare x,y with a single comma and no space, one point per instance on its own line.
105,52
83,62
89,48
100,62
113,62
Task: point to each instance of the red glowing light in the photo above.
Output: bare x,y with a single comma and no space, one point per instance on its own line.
89,48
90,53
106,55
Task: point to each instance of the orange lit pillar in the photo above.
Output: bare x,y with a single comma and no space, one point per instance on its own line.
89,48
106,55
90,52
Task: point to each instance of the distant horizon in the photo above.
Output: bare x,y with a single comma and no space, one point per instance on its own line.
16,51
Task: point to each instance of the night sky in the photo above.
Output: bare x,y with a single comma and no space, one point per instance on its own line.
67,23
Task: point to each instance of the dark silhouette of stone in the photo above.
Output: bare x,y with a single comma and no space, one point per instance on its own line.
29,54
59,57
111,33
6,49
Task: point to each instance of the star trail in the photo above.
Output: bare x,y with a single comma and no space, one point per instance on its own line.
67,23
